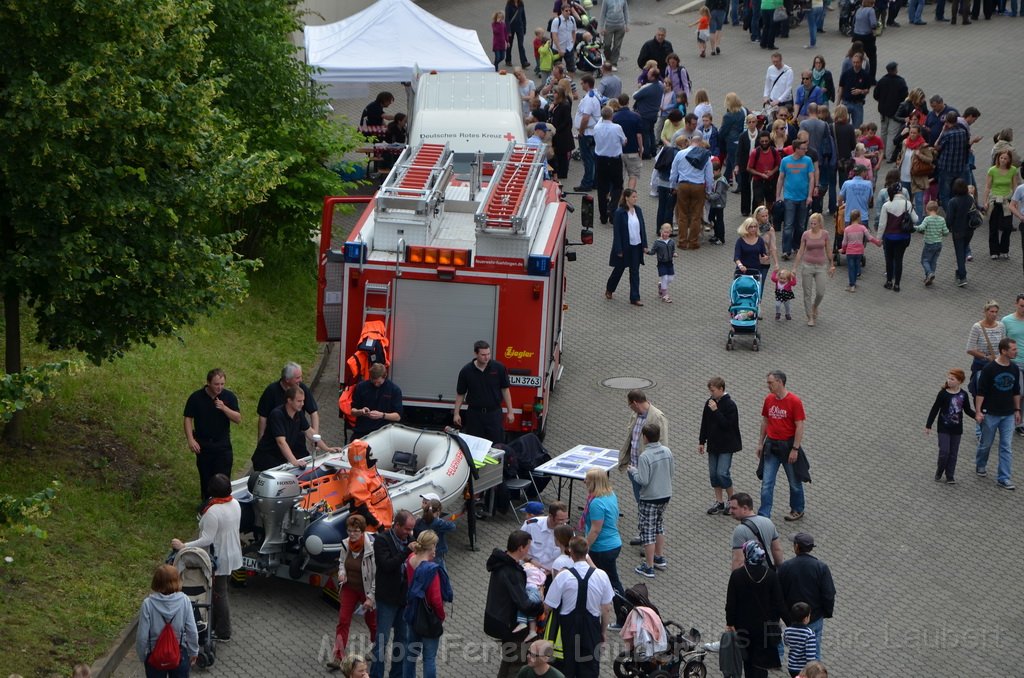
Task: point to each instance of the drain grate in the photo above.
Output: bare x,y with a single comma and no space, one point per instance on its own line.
627,383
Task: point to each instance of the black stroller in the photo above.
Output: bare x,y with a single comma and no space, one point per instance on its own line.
684,654
196,569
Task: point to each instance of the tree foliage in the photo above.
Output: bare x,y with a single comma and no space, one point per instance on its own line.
269,92
19,515
114,162
18,390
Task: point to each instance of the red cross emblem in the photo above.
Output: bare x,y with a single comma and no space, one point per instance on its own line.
509,136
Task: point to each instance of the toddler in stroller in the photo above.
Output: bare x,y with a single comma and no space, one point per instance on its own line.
655,647
589,51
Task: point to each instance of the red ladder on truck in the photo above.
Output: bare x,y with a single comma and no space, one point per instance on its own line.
508,193
421,167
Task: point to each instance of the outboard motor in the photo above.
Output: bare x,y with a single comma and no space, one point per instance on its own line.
275,493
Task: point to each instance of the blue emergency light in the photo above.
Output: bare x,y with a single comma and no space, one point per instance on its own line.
354,252
538,264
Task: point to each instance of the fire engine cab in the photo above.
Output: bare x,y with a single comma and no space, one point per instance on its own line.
444,261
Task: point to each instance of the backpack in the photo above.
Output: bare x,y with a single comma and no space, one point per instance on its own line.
827,149
166,653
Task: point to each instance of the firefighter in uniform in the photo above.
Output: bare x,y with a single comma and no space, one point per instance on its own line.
582,597
376,402
483,386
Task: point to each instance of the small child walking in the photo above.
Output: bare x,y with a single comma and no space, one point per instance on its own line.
539,37
716,204
800,639
665,250
703,24
950,405
934,228
500,38
855,236
785,281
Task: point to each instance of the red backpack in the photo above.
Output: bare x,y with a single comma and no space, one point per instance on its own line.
166,653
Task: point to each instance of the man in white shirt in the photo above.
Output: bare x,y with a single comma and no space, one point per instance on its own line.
563,36
543,549
587,114
582,626
778,82
609,140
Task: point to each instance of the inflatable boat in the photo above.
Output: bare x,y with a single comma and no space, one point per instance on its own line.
297,516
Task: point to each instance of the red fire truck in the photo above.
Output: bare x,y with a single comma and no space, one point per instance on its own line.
444,261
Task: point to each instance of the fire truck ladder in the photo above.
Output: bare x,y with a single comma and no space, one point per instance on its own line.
374,295
514,194
414,190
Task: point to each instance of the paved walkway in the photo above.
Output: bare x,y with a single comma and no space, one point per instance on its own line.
928,574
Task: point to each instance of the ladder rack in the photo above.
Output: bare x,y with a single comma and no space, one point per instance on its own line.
414,190
513,193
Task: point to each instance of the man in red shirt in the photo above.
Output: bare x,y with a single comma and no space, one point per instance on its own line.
782,430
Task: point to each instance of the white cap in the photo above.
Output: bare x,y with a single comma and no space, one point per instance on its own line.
430,496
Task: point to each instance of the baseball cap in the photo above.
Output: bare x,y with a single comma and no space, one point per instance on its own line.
534,508
540,127
431,496
803,539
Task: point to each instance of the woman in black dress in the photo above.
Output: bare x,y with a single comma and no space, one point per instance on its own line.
562,142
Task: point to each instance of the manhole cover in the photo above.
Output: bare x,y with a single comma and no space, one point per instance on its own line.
627,383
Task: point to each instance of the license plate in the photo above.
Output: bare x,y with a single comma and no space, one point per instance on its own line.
521,380
248,563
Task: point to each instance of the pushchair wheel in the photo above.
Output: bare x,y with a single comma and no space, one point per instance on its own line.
728,345
205,659
660,673
756,345
576,155
694,669
625,667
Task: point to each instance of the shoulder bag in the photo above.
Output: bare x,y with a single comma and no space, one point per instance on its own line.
426,623
974,219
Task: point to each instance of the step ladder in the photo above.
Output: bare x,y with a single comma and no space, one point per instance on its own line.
377,300
414,190
513,192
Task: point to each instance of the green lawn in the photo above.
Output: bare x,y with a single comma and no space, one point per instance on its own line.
113,438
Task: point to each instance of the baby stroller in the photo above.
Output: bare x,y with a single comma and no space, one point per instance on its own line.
678,654
195,568
744,305
847,8
589,55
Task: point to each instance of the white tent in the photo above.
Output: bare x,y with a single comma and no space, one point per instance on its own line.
388,42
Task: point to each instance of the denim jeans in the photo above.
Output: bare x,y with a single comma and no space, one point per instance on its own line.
930,257
415,647
814,23
960,247
853,268
389,617
828,184
771,470
945,181
755,20
718,470
666,208
915,8
989,426
587,156
793,226
818,626
856,111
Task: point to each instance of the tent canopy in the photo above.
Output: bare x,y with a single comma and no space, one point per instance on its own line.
388,42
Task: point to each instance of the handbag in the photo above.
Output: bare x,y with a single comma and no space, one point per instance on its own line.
780,14
426,623
974,219
919,167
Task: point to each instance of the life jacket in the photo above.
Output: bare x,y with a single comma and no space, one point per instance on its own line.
372,348
367,489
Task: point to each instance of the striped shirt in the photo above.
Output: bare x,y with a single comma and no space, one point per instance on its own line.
802,644
934,227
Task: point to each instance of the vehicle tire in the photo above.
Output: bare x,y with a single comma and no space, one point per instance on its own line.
694,668
625,667
660,673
